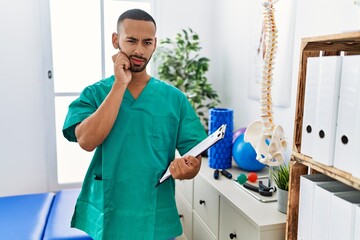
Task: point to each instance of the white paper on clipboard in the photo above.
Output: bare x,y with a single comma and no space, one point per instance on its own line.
199,148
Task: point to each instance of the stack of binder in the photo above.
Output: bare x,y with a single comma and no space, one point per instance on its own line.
306,199
312,82
331,120
323,196
347,142
343,210
357,223
321,107
325,203
326,110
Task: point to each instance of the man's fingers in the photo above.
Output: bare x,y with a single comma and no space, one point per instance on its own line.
177,168
187,164
173,168
115,56
184,168
121,57
192,161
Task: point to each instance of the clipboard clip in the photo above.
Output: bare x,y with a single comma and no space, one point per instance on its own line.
199,148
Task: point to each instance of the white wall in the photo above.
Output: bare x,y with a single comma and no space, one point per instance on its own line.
174,15
235,52
315,18
228,26
224,27
22,128
226,33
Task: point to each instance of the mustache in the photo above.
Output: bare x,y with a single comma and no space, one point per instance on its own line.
138,57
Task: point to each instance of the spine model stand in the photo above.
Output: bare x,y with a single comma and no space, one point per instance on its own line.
265,137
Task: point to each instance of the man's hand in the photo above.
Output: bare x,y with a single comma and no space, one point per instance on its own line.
122,68
185,168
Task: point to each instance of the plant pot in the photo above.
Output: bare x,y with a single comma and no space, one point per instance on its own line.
282,200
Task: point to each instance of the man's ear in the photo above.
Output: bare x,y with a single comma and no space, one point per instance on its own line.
115,40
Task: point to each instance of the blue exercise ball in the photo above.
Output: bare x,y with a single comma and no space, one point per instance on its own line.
237,133
245,156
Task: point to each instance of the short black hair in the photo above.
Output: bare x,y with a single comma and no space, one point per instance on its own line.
135,14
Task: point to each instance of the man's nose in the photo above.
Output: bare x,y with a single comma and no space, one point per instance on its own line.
139,49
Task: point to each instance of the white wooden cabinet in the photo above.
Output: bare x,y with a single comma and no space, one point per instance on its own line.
184,202
219,210
206,204
185,214
185,188
234,225
201,230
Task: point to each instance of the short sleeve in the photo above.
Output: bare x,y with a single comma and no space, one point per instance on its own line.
79,109
191,130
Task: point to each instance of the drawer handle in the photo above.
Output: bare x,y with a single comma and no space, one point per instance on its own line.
202,202
181,216
232,235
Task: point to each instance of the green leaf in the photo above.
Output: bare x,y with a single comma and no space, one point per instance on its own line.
280,175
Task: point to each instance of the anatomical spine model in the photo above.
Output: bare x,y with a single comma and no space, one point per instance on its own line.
267,138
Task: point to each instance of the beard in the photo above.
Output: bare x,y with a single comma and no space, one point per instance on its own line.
141,67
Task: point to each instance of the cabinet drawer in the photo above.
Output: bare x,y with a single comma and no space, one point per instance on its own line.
206,203
233,225
185,214
201,232
185,187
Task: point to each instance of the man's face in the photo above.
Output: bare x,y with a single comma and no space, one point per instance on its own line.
137,40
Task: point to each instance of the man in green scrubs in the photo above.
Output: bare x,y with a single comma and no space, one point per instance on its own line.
135,123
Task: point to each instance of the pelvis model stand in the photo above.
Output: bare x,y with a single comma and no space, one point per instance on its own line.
265,137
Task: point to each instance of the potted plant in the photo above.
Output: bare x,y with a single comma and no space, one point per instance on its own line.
280,176
180,64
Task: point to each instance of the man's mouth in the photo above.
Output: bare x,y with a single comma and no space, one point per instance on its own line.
137,61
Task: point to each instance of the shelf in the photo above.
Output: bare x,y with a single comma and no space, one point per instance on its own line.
327,170
329,45
347,42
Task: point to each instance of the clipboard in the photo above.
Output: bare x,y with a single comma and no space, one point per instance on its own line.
199,148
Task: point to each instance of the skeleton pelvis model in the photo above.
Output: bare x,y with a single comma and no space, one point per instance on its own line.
269,148
266,138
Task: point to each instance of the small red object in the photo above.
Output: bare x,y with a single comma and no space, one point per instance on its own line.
252,177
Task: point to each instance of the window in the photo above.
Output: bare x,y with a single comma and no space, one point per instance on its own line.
81,49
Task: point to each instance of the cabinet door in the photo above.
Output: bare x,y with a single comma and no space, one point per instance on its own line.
185,214
233,225
201,231
206,203
24,85
185,187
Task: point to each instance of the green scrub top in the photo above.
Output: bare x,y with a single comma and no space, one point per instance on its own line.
118,199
